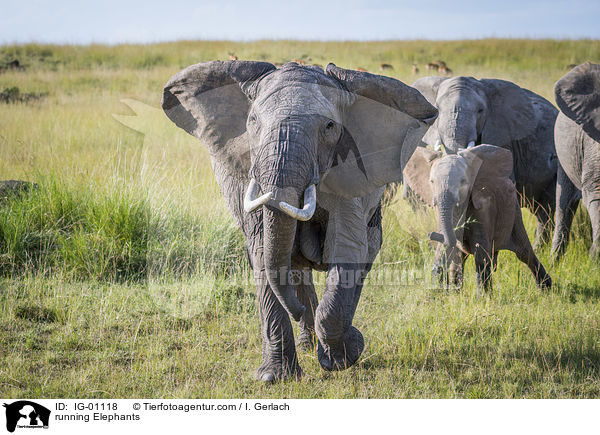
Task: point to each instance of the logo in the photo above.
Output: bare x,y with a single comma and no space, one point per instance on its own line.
26,414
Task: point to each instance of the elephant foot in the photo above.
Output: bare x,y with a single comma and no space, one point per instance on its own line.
270,372
545,283
340,356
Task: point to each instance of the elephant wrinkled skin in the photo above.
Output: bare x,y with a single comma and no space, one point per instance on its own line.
301,156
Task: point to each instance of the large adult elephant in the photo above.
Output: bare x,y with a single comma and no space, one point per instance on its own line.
300,155
577,136
498,112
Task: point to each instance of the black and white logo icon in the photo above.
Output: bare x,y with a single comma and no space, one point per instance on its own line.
26,414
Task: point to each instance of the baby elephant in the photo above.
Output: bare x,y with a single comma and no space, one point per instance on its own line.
477,208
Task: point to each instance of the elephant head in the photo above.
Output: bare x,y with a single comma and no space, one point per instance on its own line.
451,184
286,133
578,97
472,112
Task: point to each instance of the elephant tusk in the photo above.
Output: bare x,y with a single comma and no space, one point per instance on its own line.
471,144
438,145
310,205
251,202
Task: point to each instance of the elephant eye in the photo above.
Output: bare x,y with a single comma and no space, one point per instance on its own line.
330,124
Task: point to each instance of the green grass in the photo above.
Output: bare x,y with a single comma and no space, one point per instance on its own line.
110,232
123,275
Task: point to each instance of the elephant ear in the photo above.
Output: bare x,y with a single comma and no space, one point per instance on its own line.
385,116
432,136
578,97
490,167
429,86
207,101
511,115
417,170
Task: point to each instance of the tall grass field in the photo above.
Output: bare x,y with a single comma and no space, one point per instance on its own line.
123,275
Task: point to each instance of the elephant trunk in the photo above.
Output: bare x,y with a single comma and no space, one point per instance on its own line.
285,170
445,255
449,252
446,212
458,132
279,231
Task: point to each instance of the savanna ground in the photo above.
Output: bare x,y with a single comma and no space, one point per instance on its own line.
123,275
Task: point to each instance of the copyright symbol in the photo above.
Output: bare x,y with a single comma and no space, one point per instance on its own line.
136,406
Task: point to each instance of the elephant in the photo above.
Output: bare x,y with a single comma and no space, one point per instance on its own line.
477,209
301,156
577,136
500,113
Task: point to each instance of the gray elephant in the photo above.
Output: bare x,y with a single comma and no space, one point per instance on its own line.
301,156
477,208
577,136
498,112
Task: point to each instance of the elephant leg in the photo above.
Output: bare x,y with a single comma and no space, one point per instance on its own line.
455,274
593,208
351,244
521,246
544,210
305,291
374,241
567,201
483,267
437,271
340,343
457,279
280,360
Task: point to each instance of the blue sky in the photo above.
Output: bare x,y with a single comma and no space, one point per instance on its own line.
111,21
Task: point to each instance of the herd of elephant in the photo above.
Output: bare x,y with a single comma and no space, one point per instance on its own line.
302,156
